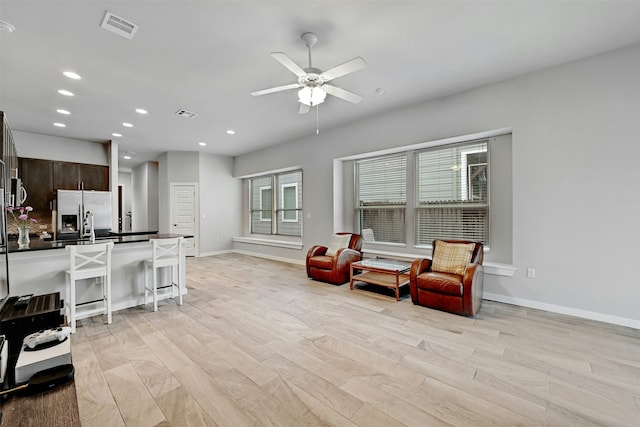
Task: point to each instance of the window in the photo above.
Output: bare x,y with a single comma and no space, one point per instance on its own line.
265,203
285,205
289,202
381,197
452,184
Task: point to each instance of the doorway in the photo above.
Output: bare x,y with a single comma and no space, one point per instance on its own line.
184,218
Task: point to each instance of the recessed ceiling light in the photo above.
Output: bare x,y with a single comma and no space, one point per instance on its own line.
126,157
117,135
61,111
141,111
72,75
60,125
202,143
127,125
231,132
65,92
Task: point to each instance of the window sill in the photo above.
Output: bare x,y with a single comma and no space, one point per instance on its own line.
287,244
493,268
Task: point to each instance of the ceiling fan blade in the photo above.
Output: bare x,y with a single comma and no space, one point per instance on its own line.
304,108
341,93
275,89
282,58
348,67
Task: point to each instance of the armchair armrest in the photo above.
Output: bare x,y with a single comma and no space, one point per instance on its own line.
472,273
418,266
472,288
345,256
316,250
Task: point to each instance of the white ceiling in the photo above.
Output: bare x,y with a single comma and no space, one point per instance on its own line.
207,56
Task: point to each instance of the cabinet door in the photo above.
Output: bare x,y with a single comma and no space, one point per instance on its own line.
94,177
66,176
37,179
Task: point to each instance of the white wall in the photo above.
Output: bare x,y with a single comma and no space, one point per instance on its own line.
36,146
140,198
174,166
576,207
220,201
144,202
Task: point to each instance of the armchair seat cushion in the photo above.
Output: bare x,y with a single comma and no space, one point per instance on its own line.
442,283
321,261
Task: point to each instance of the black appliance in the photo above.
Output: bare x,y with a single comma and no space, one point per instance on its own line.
42,312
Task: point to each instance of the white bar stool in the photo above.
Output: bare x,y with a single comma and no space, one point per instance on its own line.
91,261
165,253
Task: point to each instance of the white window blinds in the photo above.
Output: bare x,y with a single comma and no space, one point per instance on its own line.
452,184
381,197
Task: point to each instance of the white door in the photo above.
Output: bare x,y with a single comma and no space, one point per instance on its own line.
183,213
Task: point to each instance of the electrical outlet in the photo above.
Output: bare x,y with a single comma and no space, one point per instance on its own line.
531,273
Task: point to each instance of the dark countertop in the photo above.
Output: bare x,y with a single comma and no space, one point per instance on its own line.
132,233
38,244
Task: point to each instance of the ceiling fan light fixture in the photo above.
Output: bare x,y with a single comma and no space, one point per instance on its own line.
311,96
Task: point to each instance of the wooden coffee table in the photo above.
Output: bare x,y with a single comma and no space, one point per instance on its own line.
389,273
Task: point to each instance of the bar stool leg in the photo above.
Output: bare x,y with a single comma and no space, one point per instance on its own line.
72,304
154,273
145,267
109,315
179,282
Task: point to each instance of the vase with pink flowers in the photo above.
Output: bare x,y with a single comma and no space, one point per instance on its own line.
21,215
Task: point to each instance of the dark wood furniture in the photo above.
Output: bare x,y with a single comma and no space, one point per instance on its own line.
43,177
80,176
37,178
56,407
382,272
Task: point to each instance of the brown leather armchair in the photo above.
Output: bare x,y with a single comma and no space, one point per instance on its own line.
334,268
455,293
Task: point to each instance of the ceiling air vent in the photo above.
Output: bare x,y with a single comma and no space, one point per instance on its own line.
118,25
184,113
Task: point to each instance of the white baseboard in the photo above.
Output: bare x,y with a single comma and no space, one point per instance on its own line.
227,251
585,314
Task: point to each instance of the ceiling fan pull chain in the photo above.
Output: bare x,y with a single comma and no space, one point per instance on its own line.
317,120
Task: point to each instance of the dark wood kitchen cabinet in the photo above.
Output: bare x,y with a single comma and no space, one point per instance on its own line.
94,177
66,176
41,178
37,179
79,176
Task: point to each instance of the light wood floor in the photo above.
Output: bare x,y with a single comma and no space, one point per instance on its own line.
257,343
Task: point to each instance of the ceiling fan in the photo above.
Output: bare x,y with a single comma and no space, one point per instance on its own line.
314,83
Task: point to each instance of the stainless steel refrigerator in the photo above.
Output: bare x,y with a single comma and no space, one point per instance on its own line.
4,242
74,207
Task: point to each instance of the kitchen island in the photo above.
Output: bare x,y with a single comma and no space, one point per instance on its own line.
40,268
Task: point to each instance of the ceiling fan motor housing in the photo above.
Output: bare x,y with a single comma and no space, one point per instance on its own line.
312,78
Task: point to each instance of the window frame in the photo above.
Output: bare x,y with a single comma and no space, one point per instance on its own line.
264,211
283,208
261,188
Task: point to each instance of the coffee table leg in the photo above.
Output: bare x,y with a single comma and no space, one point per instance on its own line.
350,277
397,286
